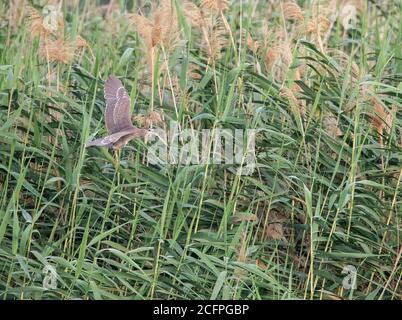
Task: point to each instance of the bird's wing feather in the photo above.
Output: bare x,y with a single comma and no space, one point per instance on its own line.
99,143
108,141
118,109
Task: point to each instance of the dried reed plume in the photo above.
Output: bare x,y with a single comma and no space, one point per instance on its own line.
161,29
318,25
153,118
215,6
279,57
273,227
144,27
194,71
80,42
159,33
60,50
296,106
330,125
56,50
291,11
241,255
252,44
36,22
344,60
215,41
16,13
194,14
209,18
271,57
381,119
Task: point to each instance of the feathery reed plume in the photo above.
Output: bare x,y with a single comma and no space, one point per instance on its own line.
241,255
359,4
279,57
194,71
49,22
162,29
194,14
288,94
153,118
16,13
275,230
271,57
167,18
296,106
251,44
215,41
149,31
156,33
220,7
343,59
36,22
80,42
291,11
318,25
330,125
56,50
144,27
381,119
215,6
213,24
286,53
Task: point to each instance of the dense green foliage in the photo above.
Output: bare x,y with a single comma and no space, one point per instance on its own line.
115,227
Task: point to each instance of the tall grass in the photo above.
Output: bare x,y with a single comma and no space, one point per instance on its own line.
326,193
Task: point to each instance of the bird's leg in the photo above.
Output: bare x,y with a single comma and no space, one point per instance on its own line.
116,159
117,153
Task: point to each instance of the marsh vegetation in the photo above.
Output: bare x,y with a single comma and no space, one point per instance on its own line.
320,81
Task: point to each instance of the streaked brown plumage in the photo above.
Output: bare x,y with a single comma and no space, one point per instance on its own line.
117,117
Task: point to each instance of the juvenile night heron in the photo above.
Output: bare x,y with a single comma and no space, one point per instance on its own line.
117,118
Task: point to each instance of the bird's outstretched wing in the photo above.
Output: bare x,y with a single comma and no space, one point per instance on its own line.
108,141
118,110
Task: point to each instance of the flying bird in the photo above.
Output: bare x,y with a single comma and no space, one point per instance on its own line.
117,117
